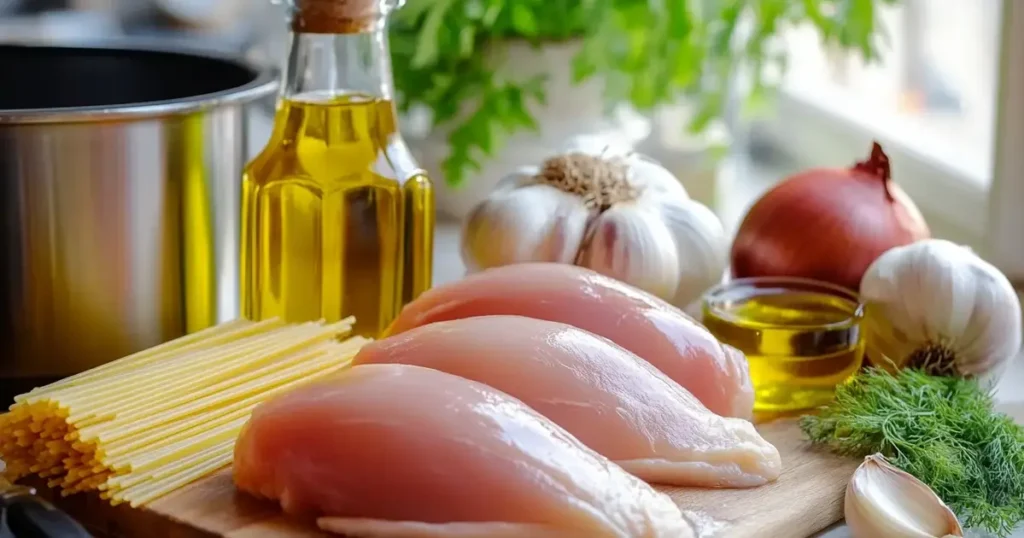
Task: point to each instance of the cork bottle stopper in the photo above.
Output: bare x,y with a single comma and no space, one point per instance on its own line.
336,16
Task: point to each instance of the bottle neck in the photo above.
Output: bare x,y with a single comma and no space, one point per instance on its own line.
322,65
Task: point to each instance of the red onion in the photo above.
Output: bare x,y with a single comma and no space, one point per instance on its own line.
827,224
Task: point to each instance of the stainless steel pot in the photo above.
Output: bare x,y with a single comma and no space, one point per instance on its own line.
119,197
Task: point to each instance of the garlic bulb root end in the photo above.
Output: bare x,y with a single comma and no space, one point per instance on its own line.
934,359
600,182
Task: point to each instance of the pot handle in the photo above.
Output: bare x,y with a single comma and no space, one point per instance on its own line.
29,516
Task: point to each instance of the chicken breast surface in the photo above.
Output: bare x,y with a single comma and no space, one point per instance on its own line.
717,374
403,451
610,399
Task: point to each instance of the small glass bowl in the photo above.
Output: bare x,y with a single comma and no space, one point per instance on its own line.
801,337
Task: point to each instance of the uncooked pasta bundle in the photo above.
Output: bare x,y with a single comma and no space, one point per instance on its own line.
143,426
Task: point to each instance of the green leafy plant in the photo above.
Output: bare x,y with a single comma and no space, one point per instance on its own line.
647,51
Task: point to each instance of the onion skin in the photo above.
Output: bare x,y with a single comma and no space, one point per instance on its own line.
827,224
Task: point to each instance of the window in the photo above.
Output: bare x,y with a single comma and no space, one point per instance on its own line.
939,101
933,92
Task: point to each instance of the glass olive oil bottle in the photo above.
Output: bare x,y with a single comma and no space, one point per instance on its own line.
337,219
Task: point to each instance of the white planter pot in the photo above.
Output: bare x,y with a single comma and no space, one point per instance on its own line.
570,110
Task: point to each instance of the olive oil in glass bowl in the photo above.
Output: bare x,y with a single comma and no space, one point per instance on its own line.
801,337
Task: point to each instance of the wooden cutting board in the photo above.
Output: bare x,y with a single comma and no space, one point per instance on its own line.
806,499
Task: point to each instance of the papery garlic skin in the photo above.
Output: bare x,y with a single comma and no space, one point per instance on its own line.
883,501
938,300
535,223
633,221
704,246
628,243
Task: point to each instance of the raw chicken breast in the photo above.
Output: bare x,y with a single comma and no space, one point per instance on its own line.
393,450
611,400
663,335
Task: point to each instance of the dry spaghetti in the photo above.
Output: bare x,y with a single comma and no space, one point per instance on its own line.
143,426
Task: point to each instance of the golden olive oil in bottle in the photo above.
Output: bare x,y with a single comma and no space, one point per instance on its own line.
337,218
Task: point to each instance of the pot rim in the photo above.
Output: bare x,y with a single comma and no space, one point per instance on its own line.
264,83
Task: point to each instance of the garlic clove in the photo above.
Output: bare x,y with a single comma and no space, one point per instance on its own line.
630,242
534,223
702,244
883,501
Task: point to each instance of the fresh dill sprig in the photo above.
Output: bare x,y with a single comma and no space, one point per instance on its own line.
943,430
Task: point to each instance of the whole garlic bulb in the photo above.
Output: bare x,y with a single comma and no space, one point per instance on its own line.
604,208
936,305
